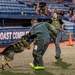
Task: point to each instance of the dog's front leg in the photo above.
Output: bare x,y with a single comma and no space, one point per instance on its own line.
8,64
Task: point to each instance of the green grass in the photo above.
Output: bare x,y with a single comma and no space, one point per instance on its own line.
63,65
12,73
61,74
36,72
42,72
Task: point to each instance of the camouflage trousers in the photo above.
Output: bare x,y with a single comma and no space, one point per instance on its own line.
38,51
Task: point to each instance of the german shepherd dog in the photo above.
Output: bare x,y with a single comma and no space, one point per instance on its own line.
9,52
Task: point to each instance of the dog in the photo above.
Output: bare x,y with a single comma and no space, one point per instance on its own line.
9,52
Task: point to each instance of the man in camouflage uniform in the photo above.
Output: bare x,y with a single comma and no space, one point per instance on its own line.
41,32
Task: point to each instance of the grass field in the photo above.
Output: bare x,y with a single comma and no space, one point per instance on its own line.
63,66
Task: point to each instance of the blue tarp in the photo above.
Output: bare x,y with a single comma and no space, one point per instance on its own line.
10,35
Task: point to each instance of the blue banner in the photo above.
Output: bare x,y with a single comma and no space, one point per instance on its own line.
10,35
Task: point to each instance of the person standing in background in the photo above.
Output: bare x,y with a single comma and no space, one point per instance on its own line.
59,25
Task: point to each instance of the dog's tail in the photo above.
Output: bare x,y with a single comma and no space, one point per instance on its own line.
2,53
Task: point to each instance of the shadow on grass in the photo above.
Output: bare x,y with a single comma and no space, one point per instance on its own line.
42,72
62,64
61,74
37,72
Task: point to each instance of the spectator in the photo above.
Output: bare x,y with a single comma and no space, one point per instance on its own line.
70,8
69,15
55,10
41,8
48,10
38,9
73,18
61,12
58,24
